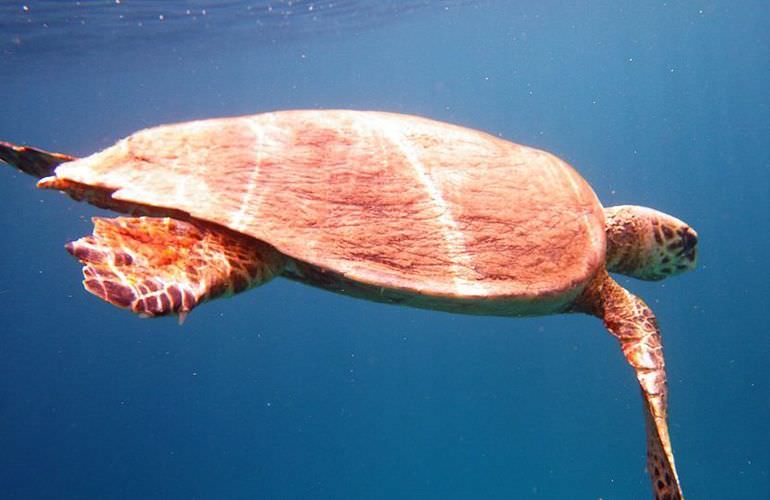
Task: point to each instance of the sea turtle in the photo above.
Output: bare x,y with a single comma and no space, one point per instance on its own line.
382,206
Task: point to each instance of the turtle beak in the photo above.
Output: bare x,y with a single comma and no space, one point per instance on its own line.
689,243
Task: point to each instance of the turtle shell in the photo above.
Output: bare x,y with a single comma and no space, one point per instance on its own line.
386,200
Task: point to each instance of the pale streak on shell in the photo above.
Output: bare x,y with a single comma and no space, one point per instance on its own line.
460,260
247,204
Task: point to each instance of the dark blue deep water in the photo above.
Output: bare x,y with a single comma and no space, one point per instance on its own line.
288,392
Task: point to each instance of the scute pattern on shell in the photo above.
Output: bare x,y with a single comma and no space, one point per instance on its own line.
388,200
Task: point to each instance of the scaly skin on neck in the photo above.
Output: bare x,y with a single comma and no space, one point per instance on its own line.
648,244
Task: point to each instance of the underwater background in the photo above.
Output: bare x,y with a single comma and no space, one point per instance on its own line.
290,392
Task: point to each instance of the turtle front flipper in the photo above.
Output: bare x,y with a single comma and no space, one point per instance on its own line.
632,322
160,266
32,161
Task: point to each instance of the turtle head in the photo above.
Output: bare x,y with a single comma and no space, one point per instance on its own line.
648,244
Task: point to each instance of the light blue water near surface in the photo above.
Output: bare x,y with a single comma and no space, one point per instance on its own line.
289,392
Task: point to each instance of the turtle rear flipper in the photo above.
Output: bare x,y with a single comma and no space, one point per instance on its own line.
161,266
32,161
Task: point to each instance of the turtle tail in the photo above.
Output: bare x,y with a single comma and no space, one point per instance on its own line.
32,161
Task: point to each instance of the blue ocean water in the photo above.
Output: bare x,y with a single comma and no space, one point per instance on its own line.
289,392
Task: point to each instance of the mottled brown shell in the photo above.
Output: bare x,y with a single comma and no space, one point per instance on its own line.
388,200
